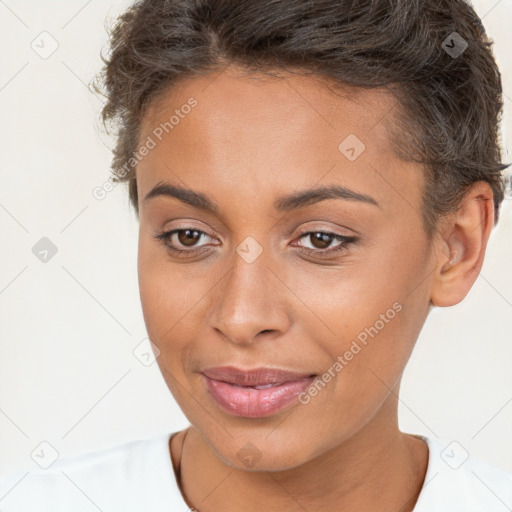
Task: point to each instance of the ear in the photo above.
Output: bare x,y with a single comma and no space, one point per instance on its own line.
460,246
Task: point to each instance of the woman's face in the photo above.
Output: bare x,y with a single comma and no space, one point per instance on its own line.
256,284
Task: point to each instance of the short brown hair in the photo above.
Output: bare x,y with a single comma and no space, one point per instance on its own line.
451,104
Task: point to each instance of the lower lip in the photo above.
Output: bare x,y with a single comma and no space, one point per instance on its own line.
255,403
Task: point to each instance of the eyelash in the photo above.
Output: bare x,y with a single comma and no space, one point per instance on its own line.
346,241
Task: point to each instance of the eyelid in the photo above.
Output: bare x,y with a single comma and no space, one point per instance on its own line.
329,253
168,233
185,224
323,228
301,234
344,241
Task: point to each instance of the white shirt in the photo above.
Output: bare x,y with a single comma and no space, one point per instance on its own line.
138,476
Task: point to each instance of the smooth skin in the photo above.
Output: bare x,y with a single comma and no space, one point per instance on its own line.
250,141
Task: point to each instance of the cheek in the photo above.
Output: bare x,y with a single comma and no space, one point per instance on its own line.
169,316
160,293
367,318
173,301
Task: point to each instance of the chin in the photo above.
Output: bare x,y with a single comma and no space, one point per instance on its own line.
255,451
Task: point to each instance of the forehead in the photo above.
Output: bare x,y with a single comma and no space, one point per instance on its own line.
237,103
268,134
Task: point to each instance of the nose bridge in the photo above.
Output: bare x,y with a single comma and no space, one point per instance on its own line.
249,300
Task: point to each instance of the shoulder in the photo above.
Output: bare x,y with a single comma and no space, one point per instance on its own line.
126,477
456,481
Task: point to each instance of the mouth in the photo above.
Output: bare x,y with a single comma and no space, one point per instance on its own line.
254,393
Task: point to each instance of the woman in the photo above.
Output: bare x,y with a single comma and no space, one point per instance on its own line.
311,178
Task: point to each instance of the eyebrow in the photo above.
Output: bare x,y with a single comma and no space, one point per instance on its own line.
290,202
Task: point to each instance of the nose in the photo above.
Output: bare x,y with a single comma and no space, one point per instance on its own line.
251,303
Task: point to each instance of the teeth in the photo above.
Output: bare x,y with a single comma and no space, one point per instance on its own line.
265,386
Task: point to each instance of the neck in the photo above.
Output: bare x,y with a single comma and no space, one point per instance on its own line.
377,469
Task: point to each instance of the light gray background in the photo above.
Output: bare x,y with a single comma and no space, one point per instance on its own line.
68,375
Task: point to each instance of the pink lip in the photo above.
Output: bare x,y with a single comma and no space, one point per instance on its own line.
254,377
232,389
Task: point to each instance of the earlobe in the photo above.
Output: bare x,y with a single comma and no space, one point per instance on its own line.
462,245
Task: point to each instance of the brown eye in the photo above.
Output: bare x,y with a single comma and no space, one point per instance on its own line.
183,242
321,240
321,243
188,237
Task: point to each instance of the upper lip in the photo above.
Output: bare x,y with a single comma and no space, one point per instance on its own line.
253,377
